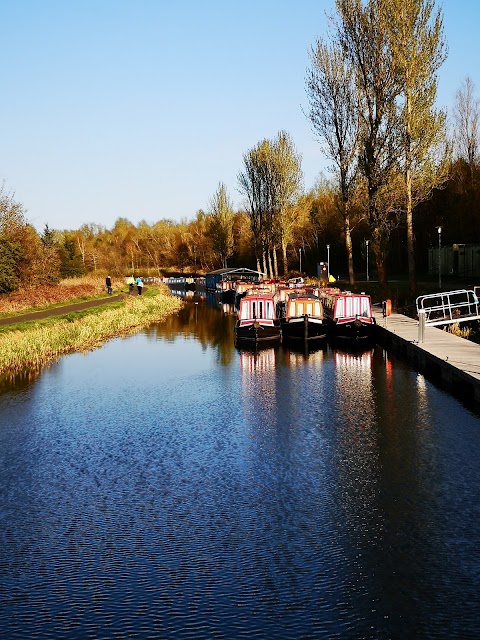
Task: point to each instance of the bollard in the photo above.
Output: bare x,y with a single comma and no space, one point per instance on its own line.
386,309
421,325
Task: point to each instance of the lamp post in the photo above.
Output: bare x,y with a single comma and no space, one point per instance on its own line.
367,242
328,262
439,257
195,257
300,254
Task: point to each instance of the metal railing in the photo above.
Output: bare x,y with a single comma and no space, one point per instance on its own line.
448,307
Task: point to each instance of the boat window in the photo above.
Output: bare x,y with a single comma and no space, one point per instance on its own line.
366,307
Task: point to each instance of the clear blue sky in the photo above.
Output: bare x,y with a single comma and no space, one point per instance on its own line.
139,108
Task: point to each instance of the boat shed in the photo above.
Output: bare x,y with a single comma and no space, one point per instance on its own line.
241,273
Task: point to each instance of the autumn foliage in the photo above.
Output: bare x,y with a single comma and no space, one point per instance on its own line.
45,295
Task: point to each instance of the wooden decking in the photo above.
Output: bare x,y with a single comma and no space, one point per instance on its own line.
454,360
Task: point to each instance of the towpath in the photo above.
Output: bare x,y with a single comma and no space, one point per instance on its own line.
61,311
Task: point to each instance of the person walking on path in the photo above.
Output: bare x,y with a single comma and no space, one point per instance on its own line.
131,283
108,283
139,282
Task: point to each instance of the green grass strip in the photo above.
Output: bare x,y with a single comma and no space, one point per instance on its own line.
39,345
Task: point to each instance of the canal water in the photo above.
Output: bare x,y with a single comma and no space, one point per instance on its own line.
170,486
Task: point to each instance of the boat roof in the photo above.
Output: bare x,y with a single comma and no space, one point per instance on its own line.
236,270
258,294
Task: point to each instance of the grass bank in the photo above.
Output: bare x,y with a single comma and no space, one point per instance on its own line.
37,345
67,291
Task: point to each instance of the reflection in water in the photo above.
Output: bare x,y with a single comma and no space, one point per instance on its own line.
203,323
357,451
19,381
255,361
171,486
294,359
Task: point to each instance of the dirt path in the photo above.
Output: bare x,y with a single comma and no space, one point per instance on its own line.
60,311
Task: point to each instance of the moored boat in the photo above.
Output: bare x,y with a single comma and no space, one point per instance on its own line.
349,315
226,289
304,318
257,320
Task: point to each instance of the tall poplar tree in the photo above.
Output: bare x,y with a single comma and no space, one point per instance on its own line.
251,181
362,35
221,226
286,175
415,33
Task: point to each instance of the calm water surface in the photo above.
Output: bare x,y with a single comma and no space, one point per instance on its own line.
170,486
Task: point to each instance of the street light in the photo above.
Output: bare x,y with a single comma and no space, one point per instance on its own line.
300,254
367,242
328,262
195,257
439,257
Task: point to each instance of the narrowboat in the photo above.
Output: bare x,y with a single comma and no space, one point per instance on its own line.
304,318
226,290
257,320
349,315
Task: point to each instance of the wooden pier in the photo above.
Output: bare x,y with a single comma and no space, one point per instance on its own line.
447,357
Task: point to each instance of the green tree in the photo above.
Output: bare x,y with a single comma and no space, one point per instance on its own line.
415,38
286,175
70,261
254,184
10,257
271,180
221,223
362,34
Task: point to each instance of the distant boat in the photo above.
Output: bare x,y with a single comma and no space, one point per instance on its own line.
349,315
304,318
257,320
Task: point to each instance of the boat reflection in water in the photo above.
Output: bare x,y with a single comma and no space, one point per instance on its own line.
293,358
358,451
257,360
186,294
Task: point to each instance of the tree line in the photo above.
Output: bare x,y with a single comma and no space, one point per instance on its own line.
397,173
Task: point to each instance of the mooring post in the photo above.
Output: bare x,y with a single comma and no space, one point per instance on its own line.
421,325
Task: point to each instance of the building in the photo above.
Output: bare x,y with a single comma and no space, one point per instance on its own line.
458,260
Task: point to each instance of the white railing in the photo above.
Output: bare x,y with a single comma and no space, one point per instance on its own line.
448,307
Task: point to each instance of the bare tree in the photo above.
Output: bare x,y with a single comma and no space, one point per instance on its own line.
466,118
333,114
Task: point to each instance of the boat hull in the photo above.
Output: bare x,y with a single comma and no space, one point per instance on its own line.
354,330
303,328
257,333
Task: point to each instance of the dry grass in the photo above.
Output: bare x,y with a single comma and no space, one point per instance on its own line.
455,328
45,295
37,346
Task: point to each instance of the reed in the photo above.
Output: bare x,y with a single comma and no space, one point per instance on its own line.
462,332
37,346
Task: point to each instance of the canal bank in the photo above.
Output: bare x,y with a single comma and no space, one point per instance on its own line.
443,356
